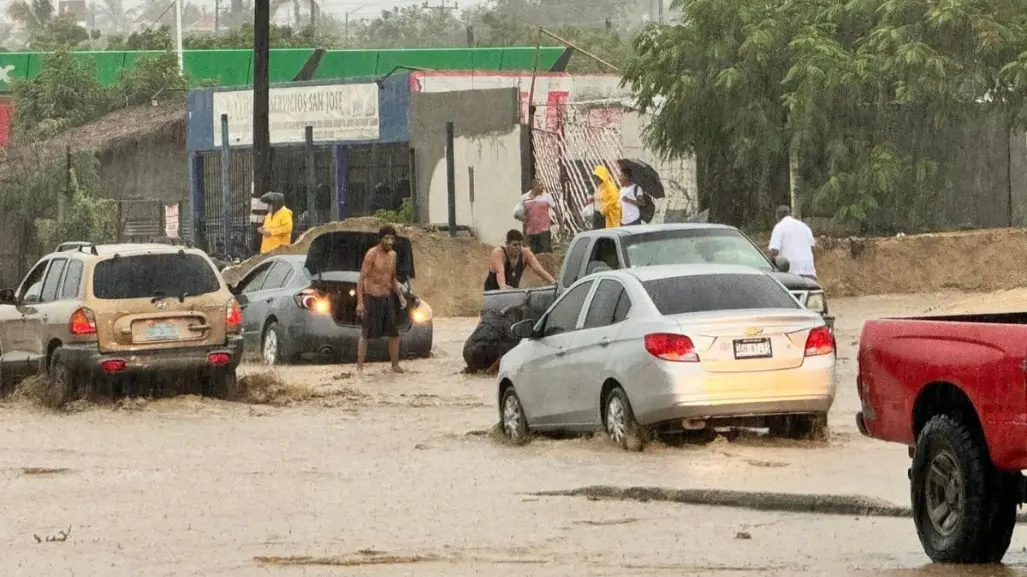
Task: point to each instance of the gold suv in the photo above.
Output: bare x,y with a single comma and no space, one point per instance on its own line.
128,318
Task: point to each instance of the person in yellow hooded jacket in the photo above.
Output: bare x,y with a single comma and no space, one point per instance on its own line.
277,229
607,197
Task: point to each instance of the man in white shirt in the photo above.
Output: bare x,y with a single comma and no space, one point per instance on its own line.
630,199
793,240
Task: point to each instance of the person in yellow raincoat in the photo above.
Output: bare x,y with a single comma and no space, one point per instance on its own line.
277,229
607,197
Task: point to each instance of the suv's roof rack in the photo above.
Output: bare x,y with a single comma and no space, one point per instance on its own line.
77,245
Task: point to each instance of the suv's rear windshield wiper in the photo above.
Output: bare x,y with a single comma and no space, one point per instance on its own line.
157,296
181,297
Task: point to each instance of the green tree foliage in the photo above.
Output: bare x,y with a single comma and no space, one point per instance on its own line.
45,29
405,214
86,216
66,92
32,193
857,92
601,29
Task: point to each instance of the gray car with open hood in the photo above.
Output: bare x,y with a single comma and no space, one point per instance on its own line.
304,306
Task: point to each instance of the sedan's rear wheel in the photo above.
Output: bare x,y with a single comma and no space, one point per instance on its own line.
620,422
514,423
271,345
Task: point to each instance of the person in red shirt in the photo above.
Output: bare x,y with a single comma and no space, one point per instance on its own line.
537,203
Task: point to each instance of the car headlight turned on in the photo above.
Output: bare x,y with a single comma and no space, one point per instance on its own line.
816,302
421,313
313,300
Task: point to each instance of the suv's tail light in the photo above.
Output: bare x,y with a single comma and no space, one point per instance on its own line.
671,347
233,317
82,322
312,299
820,342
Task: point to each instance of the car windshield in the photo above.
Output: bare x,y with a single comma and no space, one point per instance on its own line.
150,275
717,292
700,246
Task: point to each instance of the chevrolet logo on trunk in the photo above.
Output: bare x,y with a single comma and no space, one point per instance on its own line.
753,332
161,305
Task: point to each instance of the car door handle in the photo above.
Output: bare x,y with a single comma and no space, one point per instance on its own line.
269,299
561,352
604,342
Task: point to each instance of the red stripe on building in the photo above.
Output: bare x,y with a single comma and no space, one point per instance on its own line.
6,116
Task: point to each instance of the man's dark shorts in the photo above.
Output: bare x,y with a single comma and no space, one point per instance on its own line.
379,317
541,242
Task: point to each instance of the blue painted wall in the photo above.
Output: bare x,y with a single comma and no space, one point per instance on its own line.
393,102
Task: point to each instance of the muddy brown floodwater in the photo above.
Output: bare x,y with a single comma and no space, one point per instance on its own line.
328,474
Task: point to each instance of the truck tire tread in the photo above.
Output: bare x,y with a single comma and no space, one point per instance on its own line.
989,501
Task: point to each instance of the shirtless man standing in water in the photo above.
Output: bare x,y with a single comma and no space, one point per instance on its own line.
375,288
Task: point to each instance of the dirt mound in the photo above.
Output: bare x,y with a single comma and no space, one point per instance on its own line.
980,261
450,271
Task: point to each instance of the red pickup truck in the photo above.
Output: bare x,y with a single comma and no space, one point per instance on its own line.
954,390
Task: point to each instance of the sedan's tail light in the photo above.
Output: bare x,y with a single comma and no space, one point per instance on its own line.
312,299
671,347
82,322
233,317
820,342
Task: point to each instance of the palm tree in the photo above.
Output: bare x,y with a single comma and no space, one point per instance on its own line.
117,16
33,15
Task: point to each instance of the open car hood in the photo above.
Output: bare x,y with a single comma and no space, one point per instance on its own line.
344,250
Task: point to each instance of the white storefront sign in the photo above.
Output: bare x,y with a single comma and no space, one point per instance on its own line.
337,112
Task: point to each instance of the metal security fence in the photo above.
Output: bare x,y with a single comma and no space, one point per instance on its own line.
377,176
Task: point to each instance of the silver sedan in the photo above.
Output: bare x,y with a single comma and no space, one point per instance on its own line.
644,350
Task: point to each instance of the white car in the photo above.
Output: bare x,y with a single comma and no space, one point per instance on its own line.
635,351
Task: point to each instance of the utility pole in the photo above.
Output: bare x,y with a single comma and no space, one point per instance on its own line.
217,18
442,8
178,35
261,96
313,13
346,24
660,2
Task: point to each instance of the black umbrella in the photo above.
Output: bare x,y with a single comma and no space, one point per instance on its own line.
644,176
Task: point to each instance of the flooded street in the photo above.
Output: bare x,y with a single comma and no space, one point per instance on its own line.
400,476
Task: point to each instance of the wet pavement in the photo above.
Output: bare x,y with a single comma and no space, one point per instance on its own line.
399,476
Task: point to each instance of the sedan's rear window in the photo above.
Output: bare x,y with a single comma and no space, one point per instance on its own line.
717,292
150,275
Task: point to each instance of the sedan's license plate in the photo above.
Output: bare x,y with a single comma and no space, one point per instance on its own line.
161,332
752,349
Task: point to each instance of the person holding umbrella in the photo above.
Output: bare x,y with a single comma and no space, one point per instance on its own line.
277,229
642,185
632,199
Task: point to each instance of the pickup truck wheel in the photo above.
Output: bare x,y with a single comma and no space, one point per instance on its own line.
514,424
621,425
964,509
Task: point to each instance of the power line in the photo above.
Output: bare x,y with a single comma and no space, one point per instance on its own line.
442,8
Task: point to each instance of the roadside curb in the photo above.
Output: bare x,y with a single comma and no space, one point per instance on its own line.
857,505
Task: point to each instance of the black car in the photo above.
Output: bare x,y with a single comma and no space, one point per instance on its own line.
297,306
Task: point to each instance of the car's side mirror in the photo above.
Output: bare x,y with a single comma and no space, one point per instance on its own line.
241,299
782,263
523,329
7,296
